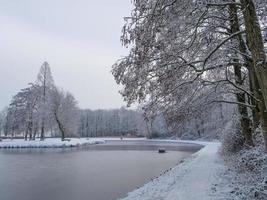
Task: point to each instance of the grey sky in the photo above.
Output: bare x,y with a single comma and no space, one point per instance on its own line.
78,38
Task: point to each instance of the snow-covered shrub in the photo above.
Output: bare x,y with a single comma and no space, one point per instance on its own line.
232,139
258,137
251,160
248,169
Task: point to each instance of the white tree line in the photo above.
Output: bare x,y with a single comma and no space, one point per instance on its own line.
119,122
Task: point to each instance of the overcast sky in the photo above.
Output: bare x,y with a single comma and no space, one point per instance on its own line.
80,39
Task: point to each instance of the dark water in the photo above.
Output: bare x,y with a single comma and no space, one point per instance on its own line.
79,174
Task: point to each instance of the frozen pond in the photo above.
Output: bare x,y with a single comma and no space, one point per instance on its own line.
100,172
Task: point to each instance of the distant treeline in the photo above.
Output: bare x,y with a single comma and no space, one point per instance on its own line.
119,122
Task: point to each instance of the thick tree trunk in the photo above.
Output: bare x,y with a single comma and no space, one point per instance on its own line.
264,126
243,110
262,108
255,43
259,113
254,92
241,96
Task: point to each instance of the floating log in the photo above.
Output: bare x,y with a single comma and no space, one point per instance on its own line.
162,150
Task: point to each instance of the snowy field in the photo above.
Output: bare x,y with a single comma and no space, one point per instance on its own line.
49,143
193,179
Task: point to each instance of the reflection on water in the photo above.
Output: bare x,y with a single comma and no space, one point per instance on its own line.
91,175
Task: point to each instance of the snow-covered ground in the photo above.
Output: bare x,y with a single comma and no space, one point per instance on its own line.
49,143
193,179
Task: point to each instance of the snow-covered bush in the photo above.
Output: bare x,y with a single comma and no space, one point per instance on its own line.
232,139
250,160
258,137
248,169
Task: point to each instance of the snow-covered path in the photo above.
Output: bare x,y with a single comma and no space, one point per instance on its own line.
191,180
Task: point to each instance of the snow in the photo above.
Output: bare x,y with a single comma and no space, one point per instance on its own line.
49,143
123,138
190,180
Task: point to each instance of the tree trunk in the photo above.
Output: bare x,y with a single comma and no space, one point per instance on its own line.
255,93
42,131
259,113
29,130
243,110
60,126
35,132
255,43
26,135
264,125
30,126
262,108
241,96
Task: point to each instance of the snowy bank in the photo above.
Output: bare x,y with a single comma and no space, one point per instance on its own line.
193,179
49,143
123,138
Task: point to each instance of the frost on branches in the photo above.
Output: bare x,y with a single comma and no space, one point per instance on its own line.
202,64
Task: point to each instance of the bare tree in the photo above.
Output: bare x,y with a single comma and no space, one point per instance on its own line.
46,82
65,111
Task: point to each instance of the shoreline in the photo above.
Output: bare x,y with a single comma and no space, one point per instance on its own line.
48,143
196,173
140,144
